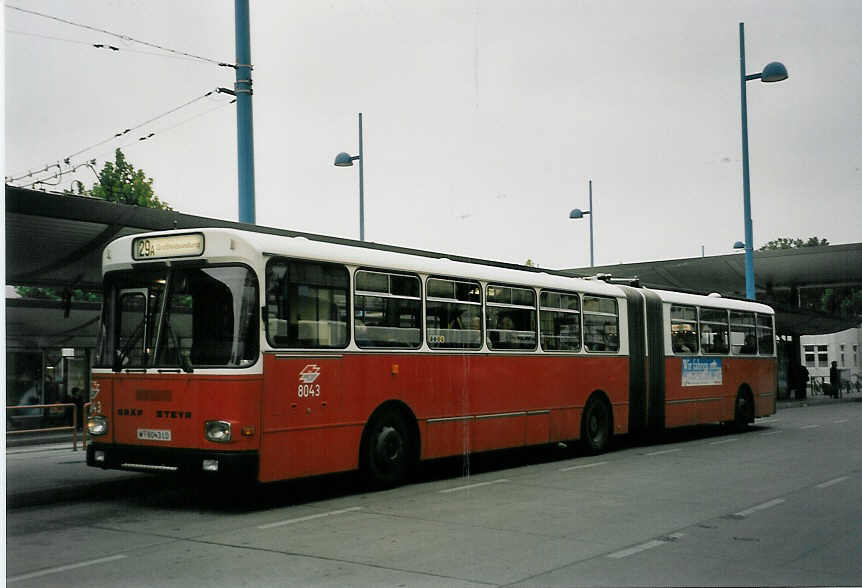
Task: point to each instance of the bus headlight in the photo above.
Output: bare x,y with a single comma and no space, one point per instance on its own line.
218,431
97,425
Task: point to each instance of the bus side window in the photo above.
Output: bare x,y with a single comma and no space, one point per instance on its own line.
387,310
560,321
601,324
453,314
511,316
765,336
743,338
310,300
683,329
714,331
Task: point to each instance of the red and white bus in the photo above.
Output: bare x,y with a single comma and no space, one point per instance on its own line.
280,357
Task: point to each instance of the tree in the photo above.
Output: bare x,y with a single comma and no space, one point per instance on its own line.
121,182
787,243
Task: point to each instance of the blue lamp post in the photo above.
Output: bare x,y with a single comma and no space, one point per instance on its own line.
346,160
578,213
773,72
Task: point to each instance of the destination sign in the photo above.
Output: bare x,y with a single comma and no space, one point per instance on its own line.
168,246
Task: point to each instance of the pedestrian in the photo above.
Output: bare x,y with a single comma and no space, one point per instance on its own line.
835,379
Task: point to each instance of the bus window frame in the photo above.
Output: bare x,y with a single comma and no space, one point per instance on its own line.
265,317
615,314
167,293
435,346
696,325
534,310
368,293
726,323
579,312
752,326
771,327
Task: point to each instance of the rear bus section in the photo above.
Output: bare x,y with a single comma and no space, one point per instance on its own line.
178,373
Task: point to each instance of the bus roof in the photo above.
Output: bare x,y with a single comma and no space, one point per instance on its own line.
374,255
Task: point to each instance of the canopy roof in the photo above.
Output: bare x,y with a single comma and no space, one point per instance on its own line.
57,240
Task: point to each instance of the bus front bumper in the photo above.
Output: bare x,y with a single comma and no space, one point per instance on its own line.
171,459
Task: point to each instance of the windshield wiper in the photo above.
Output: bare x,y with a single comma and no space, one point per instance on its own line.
136,334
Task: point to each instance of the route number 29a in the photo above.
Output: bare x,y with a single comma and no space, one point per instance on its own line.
308,390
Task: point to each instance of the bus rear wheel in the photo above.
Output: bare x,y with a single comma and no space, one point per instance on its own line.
743,412
387,452
596,426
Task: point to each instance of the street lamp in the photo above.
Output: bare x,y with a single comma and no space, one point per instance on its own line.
578,213
346,160
773,72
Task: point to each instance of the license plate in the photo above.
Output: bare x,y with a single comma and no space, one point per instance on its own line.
154,435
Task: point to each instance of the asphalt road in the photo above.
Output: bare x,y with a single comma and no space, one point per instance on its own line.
778,505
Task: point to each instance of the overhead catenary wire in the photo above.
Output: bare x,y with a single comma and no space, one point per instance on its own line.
91,163
117,135
112,48
123,37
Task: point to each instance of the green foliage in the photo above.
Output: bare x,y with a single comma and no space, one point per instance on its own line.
76,294
787,243
531,263
121,182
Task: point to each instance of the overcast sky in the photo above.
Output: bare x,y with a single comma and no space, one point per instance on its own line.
483,120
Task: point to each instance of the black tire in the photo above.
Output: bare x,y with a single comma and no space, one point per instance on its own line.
743,412
387,449
596,426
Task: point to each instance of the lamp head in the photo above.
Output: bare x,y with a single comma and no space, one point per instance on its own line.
774,72
343,160
578,213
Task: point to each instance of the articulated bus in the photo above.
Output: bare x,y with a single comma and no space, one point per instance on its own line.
276,357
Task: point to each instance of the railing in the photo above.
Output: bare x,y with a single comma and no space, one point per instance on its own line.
73,427
84,425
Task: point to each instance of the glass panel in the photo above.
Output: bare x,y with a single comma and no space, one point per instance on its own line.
561,331
404,285
683,329
132,341
499,294
307,304
600,304
441,288
387,322
743,338
467,292
714,333
511,328
765,336
601,332
550,300
372,282
212,318
453,325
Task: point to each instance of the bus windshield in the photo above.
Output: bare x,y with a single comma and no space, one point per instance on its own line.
180,317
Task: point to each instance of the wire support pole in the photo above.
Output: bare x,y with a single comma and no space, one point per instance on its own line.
244,123
361,185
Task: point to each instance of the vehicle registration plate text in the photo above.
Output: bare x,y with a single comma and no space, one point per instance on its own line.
154,435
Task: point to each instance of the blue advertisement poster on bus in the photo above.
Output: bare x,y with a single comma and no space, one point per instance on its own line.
701,371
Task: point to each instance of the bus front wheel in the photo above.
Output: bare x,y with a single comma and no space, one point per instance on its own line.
386,449
596,426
